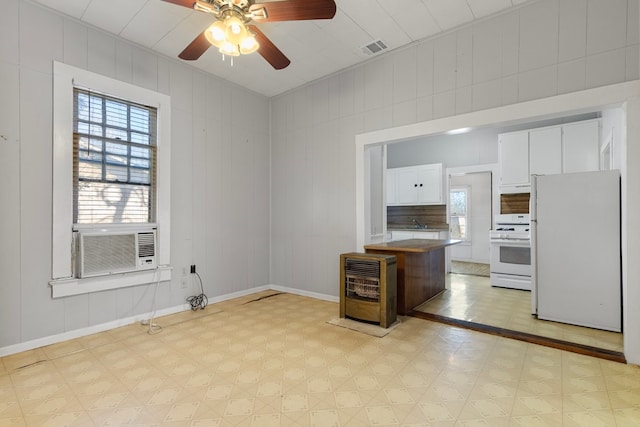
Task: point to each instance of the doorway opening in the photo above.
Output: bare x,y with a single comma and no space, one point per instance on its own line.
592,100
470,213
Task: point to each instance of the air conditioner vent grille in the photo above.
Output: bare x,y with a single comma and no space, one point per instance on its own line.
114,252
374,48
146,245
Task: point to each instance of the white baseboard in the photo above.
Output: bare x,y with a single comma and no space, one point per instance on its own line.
303,293
78,333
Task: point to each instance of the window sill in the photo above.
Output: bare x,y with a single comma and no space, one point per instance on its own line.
72,286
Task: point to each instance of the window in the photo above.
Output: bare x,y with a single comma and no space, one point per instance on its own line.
114,152
459,207
111,171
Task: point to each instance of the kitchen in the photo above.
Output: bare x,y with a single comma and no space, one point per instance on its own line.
478,151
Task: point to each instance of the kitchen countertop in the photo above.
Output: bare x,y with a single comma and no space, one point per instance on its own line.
413,245
420,269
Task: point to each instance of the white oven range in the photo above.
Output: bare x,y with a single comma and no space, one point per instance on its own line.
510,261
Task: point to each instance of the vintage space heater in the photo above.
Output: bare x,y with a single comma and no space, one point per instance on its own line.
368,288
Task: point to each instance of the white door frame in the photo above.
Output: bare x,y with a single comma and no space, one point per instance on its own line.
625,95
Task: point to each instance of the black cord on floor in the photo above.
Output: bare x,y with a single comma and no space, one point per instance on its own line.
198,301
266,296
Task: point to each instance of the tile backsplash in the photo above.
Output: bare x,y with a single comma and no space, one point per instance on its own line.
433,216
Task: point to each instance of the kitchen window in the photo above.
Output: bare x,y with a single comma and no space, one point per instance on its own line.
111,169
459,213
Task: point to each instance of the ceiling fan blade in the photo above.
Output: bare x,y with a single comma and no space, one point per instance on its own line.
185,3
196,48
294,10
268,50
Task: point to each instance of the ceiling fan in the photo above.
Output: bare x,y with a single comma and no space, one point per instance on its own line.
232,34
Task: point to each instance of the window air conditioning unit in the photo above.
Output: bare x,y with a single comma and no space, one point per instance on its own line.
103,253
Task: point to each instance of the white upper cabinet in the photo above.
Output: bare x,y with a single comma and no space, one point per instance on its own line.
581,147
572,147
415,185
407,186
545,151
430,184
513,157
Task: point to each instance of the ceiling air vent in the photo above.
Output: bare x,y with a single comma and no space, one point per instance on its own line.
374,48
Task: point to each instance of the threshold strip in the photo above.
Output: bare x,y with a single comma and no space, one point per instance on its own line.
587,350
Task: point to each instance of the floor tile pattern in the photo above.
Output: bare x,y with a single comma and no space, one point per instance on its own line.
472,298
275,361
474,268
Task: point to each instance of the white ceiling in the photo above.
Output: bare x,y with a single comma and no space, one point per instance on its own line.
316,48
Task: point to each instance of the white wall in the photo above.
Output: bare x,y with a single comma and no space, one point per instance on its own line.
219,175
545,48
468,149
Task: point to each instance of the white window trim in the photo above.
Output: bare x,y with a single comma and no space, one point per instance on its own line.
63,281
467,215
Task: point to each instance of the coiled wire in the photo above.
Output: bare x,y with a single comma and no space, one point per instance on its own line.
198,301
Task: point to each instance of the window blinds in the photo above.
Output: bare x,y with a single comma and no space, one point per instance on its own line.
114,160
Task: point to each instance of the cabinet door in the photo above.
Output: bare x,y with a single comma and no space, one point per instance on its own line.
514,158
430,184
580,147
391,187
545,151
407,186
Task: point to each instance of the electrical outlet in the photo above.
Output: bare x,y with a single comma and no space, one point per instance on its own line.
193,268
185,282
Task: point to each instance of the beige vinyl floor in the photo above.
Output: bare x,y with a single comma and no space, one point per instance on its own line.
276,361
472,298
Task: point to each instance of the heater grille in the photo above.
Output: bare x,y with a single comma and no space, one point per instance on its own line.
368,288
361,267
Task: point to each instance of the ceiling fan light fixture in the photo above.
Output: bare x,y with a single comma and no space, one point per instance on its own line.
215,34
235,31
229,49
249,45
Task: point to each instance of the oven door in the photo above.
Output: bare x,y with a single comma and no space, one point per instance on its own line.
511,256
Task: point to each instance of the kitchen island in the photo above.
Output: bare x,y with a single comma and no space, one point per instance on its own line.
420,268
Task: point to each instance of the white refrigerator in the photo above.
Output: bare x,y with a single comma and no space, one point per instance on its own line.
575,247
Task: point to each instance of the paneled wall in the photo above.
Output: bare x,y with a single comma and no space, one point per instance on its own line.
544,48
219,175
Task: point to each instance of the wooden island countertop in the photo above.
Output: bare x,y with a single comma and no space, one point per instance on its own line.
420,268
413,245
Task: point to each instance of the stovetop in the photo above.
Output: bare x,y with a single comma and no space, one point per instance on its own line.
511,226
